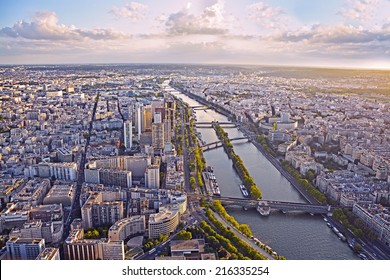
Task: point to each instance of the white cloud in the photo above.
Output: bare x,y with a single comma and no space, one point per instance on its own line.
45,26
198,33
359,10
338,34
133,11
334,42
211,21
267,16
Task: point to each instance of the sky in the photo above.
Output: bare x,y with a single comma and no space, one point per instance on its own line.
322,33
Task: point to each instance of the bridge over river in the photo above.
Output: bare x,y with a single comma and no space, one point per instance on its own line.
217,144
211,124
284,206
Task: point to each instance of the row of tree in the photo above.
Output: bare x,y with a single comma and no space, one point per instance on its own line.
243,228
304,183
94,233
218,242
184,235
247,180
264,143
240,244
200,165
353,223
150,243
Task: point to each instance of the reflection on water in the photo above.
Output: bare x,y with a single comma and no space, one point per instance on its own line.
296,236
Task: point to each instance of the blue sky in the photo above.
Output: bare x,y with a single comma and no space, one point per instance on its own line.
340,33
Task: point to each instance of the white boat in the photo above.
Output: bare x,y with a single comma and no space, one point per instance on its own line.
342,237
263,208
244,191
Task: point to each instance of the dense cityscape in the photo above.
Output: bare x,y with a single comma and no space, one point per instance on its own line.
144,161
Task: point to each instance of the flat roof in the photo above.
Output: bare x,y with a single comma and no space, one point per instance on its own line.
187,245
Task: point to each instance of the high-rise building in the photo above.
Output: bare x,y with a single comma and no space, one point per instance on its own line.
139,120
167,132
128,133
49,254
95,212
158,136
152,176
136,164
156,105
24,248
77,248
147,119
113,250
47,213
51,232
127,227
170,109
114,177
60,171
158,116
164,222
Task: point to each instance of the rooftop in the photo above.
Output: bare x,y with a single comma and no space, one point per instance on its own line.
188,245
164,214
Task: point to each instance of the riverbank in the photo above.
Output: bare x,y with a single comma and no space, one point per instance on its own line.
249,241
238,164
282,232
216,107
276,163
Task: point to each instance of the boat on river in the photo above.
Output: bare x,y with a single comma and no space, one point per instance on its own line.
244,191
263,208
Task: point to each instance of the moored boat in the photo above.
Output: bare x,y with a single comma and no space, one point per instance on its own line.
244,191
263,208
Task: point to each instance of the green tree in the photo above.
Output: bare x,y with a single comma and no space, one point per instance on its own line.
91,234
245,229
192,183
162,237
310,175
184,235
357,248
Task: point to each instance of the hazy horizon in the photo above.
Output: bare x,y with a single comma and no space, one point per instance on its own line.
196,64
352,34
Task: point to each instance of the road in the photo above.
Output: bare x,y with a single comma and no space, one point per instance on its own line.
373,250
159,248
185,152
251,242
76,209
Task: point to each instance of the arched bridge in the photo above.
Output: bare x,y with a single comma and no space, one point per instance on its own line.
276,205
217,144
200,107
211,124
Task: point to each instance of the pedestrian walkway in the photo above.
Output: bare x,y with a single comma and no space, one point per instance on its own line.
251,242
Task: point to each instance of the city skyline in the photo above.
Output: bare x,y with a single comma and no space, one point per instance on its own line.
353,33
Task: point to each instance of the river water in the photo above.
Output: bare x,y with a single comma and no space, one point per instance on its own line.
296,236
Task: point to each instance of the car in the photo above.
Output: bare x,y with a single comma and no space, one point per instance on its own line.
363,256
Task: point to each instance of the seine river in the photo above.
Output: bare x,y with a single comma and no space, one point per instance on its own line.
297,236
